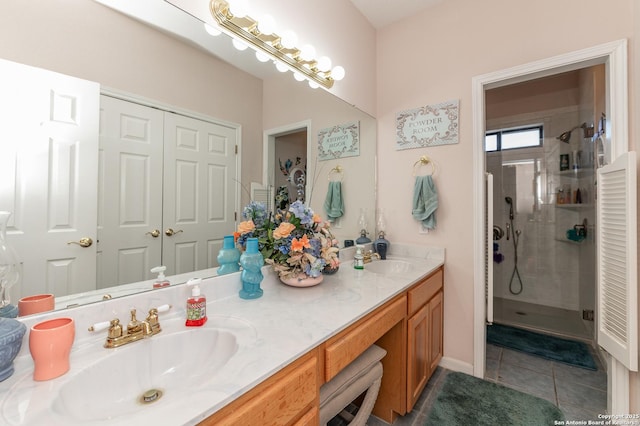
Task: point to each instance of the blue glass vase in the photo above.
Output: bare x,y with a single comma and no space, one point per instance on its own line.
228,256
251,275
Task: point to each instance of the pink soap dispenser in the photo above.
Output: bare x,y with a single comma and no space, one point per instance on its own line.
196,305
161,281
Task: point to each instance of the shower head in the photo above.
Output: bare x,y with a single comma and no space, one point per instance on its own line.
566,136
508,200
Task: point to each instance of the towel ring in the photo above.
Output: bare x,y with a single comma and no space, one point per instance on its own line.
423,161
337,172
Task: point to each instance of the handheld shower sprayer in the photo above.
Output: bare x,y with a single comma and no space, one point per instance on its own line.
510,202
515,234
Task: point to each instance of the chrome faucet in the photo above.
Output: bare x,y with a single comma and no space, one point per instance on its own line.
370,255
136,330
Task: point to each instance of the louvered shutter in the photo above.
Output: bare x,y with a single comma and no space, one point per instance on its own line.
617,260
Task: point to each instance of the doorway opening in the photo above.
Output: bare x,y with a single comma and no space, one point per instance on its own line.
285,173
613,56
544,216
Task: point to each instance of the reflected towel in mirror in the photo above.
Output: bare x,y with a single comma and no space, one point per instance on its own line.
334,204
425,201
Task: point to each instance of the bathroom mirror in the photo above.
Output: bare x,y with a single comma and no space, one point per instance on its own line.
87,40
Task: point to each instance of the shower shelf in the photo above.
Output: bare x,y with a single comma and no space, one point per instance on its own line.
577,174
564,240
574,206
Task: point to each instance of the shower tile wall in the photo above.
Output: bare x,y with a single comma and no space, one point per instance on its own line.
549,270
549,264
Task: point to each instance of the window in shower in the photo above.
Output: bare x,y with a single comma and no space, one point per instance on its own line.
523,137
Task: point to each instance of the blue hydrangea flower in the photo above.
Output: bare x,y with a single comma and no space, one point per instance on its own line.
302,212
256,212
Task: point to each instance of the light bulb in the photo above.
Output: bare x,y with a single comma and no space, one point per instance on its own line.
211,30
313,84
289,39
261,56
307,52
281,67
267,25
298,76
337,73
324,63
238,44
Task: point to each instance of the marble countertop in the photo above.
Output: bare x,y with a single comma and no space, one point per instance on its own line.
271,332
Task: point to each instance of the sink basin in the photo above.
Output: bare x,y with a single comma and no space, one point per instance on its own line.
389,267
148,372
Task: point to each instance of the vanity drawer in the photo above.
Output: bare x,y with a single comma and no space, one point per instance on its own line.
422,292
348,345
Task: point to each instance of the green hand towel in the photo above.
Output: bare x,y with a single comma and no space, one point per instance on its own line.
333,204
425,201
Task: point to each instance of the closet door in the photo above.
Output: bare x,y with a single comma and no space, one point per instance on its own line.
199,192
617,257
49,140
130,188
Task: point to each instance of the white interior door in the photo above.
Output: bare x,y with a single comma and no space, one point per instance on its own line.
130,188
49,135
617,257
199,192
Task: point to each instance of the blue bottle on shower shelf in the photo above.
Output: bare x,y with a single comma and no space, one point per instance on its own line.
251,275
229,256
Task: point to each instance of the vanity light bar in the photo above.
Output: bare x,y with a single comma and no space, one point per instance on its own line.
246,29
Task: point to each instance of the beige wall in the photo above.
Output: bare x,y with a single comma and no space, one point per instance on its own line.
287,102
432,57
84,39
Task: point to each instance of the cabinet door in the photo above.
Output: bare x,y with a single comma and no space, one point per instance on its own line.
418,361
436,316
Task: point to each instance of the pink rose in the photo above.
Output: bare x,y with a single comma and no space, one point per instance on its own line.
246,226
283,230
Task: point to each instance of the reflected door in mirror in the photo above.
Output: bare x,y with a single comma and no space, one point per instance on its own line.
48,166
167,191
130,191
200,175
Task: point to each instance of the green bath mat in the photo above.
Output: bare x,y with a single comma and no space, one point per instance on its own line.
550,347
467,400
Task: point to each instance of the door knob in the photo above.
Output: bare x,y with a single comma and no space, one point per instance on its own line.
155,233
84,242
169,232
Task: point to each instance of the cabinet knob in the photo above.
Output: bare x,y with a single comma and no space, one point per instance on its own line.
169,232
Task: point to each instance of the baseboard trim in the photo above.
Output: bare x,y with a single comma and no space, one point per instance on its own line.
456,365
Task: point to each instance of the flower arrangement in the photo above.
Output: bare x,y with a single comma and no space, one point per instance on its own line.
296,242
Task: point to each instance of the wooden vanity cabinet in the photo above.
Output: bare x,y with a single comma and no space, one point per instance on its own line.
409,327
290,397
424,333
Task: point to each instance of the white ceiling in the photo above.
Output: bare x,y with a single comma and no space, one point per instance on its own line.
384,12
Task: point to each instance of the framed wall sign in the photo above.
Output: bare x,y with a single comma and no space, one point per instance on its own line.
430,125
339,141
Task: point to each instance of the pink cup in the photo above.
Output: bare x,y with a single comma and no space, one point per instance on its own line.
35,304
50,345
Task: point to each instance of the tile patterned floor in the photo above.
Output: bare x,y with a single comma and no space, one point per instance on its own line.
581,394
